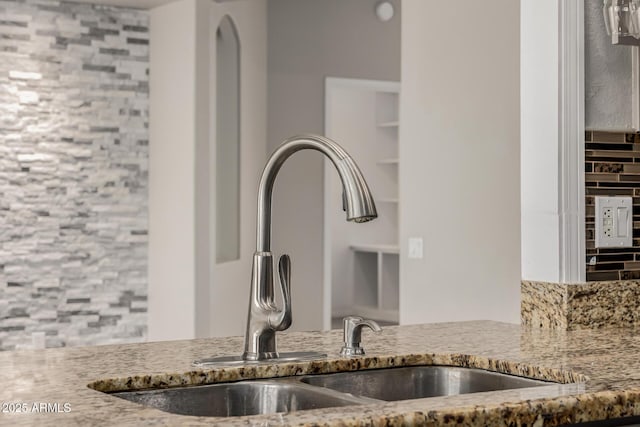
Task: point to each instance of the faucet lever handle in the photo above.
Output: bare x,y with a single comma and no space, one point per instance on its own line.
353,334
283,317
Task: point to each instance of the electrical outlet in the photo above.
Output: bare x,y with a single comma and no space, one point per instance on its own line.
607,223
415,247
614,222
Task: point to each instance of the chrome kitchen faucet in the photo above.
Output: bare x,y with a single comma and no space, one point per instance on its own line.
264,318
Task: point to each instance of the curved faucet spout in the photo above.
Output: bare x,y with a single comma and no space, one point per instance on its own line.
359,202
264,317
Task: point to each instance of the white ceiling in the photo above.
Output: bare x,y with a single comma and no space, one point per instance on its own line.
137,4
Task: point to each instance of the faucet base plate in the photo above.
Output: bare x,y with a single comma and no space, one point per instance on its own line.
283,357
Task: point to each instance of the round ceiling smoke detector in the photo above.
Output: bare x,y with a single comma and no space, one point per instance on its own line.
384,11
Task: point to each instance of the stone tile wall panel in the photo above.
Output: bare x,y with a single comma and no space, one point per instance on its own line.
73,173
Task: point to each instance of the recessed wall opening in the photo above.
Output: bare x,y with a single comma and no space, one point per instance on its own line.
227,142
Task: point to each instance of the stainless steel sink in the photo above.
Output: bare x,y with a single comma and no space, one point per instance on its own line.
418,382
242,398
258,397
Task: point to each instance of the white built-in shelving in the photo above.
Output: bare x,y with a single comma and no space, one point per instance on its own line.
362,260
391,161
376,281
387,200
393,124
376,248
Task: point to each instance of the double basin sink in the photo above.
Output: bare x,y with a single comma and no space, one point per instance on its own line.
289,394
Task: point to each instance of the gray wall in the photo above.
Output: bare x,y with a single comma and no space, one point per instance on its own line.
73,173
460,149
309,40
607,75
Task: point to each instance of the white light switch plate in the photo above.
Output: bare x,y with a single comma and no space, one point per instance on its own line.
614,222
415,247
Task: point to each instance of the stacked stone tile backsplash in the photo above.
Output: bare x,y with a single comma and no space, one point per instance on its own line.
73,173
612,168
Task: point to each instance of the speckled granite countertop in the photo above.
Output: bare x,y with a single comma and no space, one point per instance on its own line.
608,357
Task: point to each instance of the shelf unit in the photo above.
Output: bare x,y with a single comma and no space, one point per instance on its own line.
376,294
362,261
376,281
393,124
387,200
389,161
377,248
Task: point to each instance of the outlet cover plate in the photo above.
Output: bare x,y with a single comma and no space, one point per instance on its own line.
415,247
614,222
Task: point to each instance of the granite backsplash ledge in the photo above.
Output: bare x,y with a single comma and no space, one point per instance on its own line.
580,305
